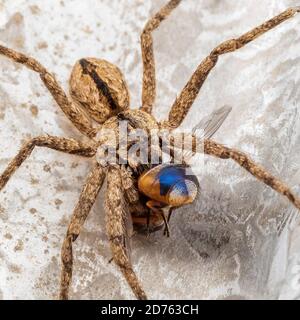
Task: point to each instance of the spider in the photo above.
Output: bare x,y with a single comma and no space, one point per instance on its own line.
100,99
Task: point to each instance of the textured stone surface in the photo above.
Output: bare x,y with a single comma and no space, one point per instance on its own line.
227,245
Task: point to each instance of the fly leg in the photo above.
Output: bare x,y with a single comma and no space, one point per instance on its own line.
157,207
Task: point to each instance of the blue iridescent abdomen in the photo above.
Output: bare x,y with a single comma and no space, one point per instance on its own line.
170,184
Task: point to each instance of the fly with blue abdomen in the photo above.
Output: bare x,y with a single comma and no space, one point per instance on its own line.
170,186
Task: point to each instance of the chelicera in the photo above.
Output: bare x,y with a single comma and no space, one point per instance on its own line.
100,99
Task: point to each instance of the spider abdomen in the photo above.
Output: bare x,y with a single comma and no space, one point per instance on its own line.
99,87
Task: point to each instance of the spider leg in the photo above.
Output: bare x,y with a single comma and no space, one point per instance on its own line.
149,83
217,150
128,185
87,198
57,143
74,113
189,93
116,222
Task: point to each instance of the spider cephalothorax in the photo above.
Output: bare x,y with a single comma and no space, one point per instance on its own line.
100,100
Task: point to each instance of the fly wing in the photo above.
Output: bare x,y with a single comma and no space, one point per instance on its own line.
207,127
210,124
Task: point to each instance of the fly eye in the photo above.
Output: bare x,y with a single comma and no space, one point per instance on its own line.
183,192
192,189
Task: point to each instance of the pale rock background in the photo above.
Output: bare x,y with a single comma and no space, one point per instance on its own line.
240,239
